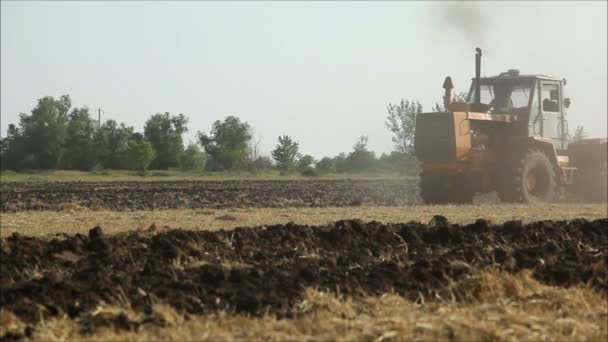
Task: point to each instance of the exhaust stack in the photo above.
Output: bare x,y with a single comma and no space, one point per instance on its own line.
447,97
477,76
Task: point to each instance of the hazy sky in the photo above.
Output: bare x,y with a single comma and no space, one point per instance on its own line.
322,72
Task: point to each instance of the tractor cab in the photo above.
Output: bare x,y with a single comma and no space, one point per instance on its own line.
536,100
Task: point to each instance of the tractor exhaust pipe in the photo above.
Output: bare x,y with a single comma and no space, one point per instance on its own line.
477,76
447,95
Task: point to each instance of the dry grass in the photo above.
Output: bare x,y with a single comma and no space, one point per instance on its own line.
77,220
500,307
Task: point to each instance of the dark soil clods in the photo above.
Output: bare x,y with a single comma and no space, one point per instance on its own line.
252,270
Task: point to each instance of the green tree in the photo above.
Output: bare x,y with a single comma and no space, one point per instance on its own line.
306,162
326,165
227,144
111,142
361,159
399,162
45,131
193,159
140,155
579,134
401,121
285,152
136,136
165,133
79,146
13,150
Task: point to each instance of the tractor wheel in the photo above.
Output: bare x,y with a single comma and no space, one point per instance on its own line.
443,189
529,179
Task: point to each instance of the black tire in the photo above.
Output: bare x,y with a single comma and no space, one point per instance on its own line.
531,178
443,189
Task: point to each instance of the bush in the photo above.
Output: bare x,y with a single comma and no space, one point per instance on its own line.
305,163
98,169
326,165
309,172
340,163
261,163
141,154
361,159
193,159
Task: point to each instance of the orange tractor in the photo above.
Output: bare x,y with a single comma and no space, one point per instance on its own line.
511,137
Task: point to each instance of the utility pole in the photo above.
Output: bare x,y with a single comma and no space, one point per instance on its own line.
98,117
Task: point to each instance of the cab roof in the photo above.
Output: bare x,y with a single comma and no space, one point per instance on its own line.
513,75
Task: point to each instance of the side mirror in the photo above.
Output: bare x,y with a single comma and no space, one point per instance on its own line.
567,102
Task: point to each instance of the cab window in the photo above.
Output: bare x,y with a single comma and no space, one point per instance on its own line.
550,97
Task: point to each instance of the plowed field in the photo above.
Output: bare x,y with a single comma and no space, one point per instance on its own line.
265,270
241,271
206,194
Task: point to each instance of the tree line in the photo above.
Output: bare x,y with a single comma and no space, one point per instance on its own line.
56,136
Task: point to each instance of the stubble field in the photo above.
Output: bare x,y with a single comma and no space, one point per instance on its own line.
295,260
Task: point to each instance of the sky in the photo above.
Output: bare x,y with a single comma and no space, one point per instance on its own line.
321,72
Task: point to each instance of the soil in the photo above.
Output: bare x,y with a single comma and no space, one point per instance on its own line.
205,194
266,269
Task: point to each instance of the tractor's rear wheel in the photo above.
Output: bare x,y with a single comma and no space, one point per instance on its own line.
438,188
530,178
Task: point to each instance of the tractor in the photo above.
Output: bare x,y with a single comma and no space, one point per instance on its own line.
510,136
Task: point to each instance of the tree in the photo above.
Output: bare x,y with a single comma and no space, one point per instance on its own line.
45,130
254,148
136,136
79,145
461,97
227,144
193,159
340,162
399,162
401,120
140,154
285,152
165,133
361,159
326,165
111,142
305,162
13,150
579,134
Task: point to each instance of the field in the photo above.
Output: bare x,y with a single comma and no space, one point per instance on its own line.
321,259
171,175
